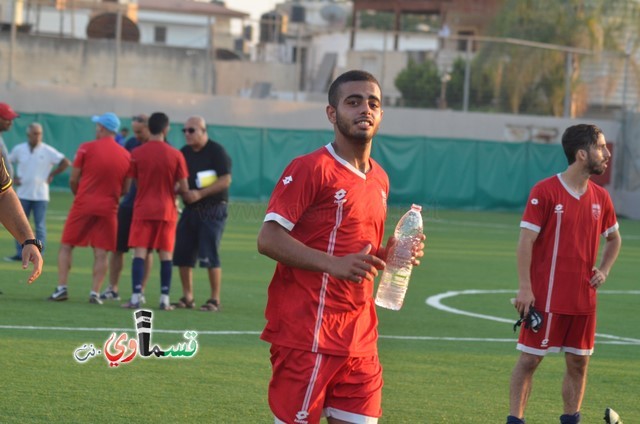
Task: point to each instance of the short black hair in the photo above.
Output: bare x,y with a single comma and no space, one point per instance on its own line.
158,122
579,137
349,76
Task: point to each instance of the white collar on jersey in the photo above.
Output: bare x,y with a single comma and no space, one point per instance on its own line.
569,189
352,168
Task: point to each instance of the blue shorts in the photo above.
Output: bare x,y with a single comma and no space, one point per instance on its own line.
198,236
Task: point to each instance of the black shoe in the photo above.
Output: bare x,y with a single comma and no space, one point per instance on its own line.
109,294
95,299
59,295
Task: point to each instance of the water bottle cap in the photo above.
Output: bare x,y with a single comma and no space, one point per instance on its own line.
416,207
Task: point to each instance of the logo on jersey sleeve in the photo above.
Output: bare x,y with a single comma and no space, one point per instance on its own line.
286,180
340,196
559,208
596,210
534,201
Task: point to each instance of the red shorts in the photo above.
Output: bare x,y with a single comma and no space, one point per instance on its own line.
153,234
568,333
90,230
306,386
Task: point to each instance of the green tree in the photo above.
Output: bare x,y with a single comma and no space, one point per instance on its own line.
419,84
531,80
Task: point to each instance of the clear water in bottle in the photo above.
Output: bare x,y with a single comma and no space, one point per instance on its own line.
395,277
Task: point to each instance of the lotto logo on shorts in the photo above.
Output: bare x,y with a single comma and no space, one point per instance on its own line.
301,417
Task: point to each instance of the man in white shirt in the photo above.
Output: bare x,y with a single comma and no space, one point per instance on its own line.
37,164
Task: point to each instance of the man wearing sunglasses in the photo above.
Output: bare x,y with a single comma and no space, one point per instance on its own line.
202,222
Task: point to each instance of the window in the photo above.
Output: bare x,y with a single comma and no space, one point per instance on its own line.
160,34
462,44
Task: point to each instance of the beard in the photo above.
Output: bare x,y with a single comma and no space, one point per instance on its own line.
595,168
347,129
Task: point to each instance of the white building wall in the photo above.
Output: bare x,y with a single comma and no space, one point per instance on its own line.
49,21
338,42
182,30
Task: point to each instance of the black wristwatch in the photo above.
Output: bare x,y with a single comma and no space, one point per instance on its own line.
37,243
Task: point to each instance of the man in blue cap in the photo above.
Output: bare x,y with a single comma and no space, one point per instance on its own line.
102,165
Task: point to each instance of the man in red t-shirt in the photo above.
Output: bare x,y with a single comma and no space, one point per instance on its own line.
324,225
97,180
560,233
157,168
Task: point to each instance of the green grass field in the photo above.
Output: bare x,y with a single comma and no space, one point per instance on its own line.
439,366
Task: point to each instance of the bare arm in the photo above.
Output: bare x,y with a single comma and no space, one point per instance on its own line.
74,179
222,183
182,187
609,256
126,185
525,298
275,242
62,166
13,218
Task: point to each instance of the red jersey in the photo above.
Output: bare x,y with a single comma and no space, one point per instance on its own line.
328,205
157,167
103,165
565,252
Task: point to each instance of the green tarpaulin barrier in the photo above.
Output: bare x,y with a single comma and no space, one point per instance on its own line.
434,172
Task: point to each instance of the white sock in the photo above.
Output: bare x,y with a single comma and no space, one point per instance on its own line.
135,298
164,298
92,293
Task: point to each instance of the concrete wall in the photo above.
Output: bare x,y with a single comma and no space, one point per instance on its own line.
49,61
267,113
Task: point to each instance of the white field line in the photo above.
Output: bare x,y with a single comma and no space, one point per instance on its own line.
124,330
436,302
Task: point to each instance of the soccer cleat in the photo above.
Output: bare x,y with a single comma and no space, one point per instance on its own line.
95,299
59,294
109,294
131,305
611,417
14,258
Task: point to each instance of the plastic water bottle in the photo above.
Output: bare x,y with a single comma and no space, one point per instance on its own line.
395,277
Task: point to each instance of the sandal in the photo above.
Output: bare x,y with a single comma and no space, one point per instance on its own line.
184,304
212,305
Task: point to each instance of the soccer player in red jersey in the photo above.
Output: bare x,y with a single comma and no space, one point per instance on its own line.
324,226
563,221
158,169
97,180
